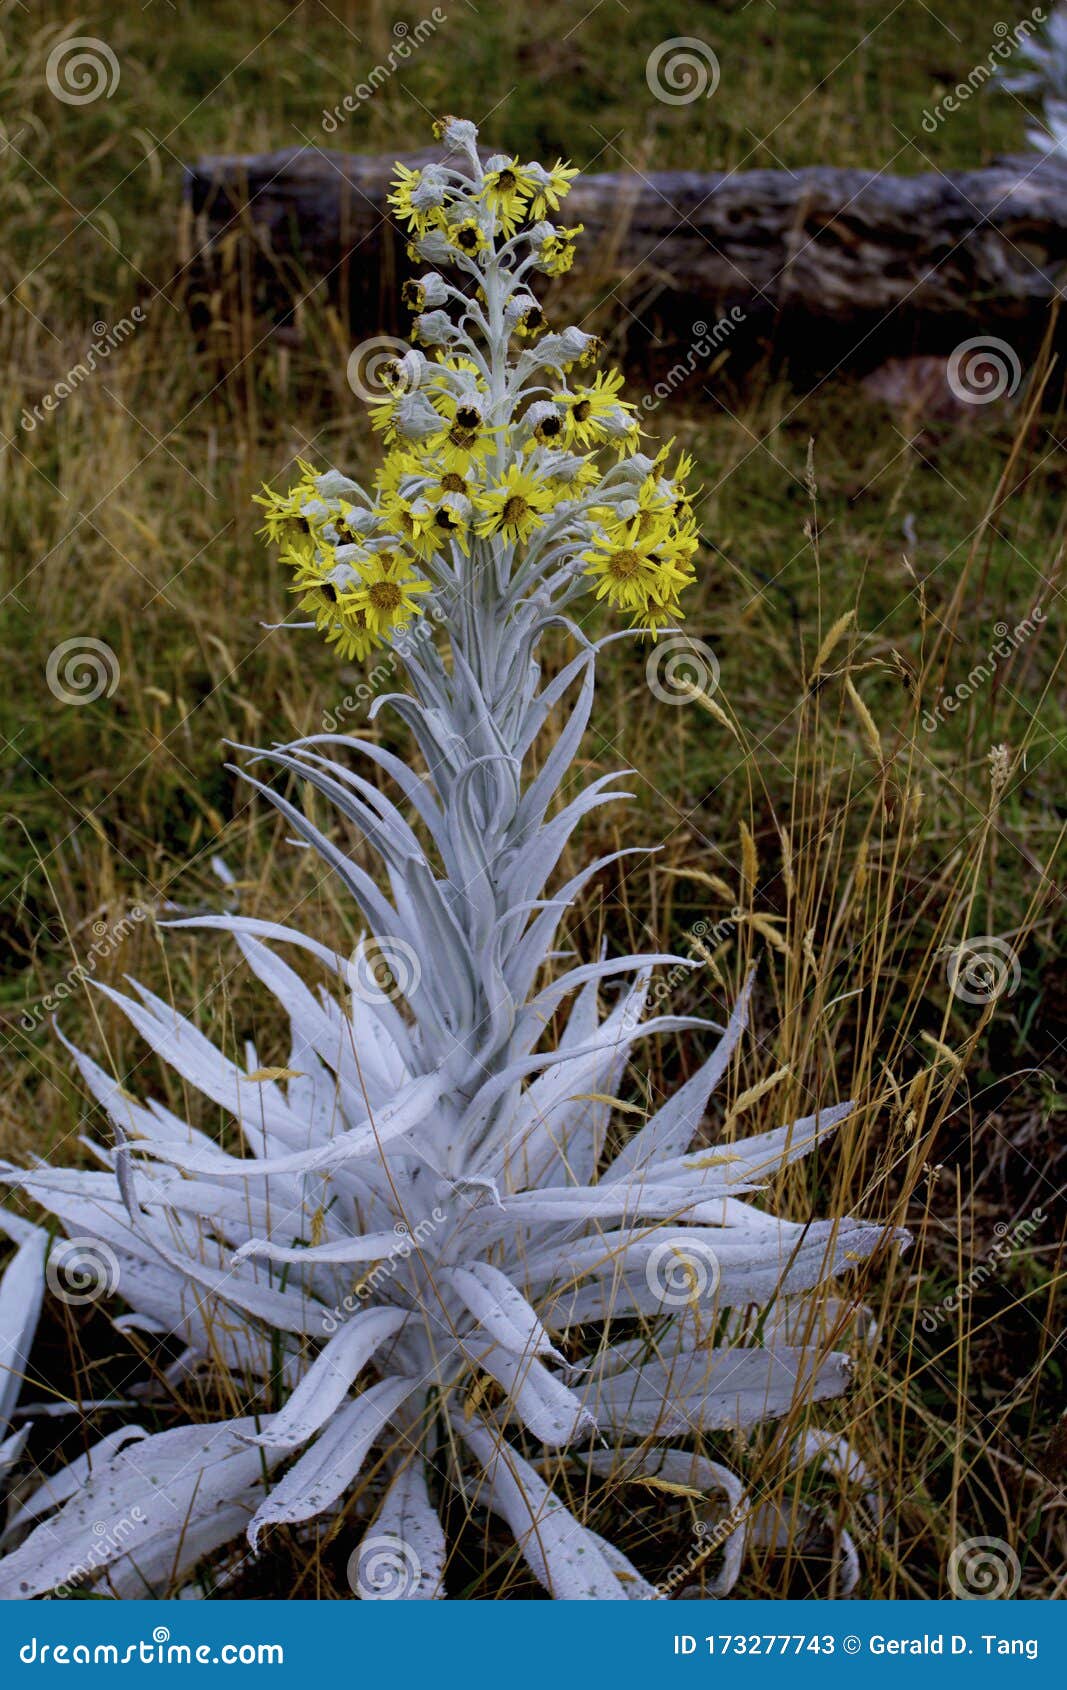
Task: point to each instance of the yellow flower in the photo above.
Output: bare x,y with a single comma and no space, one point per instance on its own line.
515,506
592,350
387,592
677,548
588,406
398,465
450,484
654,508
462,450
505,192
634,573
404,185
284,521
656,614
410,521
467,237
532,322
576,481
548,193
383,417
556,253
451,524
351,637
335,610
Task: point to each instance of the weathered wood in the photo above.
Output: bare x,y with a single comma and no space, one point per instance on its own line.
900,261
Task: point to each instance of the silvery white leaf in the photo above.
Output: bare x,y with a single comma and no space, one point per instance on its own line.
559,1550
716,1388
329,1378
501,1310
21,1295
406,1536
147,1495
325,1471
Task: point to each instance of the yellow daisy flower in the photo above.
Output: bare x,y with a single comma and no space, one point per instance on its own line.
404,184
556,253
514,507
284,520
506,192
588,406
631,572
410,521
463,450
531,323
467,237
388,591
350,637
397,466
548,193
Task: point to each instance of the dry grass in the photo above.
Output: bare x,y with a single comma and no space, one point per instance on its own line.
857,848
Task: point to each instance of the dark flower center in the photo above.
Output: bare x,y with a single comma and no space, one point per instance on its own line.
385,595
625,563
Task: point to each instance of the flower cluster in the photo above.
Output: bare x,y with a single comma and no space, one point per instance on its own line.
505,449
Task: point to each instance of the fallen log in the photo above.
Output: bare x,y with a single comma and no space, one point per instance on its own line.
821,262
